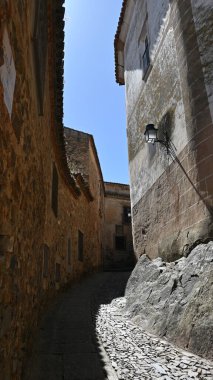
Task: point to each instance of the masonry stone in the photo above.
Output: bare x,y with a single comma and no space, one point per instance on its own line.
118,253
171,208
51,184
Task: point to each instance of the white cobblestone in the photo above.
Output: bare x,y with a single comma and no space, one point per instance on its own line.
136,354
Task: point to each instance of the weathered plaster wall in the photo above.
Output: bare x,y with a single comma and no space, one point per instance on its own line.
116,198
34,260
157,17
168,214
155,103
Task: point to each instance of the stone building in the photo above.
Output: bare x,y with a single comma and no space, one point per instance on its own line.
45,238
164,56
85,167
117,238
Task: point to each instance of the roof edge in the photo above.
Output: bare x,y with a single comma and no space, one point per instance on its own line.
119,46
116,183
56,11
97,159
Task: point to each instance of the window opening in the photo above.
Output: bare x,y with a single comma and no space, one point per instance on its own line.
127,215
55,191
46,254
146,57
120,243
57,272
80,246
119,230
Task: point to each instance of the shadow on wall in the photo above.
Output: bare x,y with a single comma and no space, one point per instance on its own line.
196,104
144,35
175,98
199,115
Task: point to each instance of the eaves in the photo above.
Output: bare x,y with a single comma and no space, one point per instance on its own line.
120,38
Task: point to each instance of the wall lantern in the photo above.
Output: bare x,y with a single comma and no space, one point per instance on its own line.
151,136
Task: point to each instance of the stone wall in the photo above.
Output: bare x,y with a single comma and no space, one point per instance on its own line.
43,207
77,144
117,255
169,214
83,159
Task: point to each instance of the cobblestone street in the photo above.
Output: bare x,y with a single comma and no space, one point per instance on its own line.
85,337
67,346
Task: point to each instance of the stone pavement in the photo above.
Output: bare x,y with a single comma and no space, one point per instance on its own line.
67,347
138,355
85,336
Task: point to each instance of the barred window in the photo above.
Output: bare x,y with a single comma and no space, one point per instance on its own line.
146,57
144,48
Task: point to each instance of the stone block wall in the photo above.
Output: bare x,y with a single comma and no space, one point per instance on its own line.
40,218
169,214
77,144
83,159
97,210
117,225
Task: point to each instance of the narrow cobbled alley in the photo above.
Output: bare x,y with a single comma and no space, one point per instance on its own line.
67,345
86,336
106,167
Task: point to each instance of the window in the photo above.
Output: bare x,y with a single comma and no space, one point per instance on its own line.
80,246
146,57
120,243
144,45
119,230
55,191
46,255
57,272
69,252
127,214
131,248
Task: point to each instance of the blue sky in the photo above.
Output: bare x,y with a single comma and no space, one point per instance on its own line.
93,101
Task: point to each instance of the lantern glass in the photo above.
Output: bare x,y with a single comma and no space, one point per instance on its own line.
151,134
